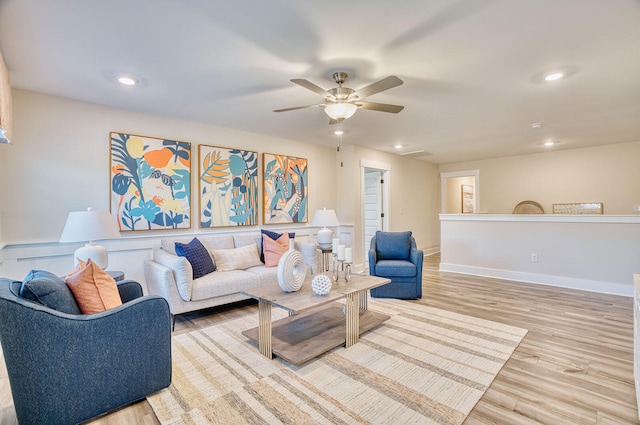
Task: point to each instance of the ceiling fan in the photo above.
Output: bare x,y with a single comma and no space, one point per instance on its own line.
341,102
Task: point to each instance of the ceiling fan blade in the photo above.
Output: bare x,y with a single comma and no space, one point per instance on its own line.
314,88
333,121
384,84
319,105
382,107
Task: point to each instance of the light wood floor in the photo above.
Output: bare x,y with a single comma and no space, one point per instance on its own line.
575,366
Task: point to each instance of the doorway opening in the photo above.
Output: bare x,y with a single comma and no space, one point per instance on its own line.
375,196
459,191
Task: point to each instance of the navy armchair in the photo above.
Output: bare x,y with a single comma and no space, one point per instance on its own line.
394,255
67,368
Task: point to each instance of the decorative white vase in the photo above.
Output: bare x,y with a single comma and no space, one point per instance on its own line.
291,270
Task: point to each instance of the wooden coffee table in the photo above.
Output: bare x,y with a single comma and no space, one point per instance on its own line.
316,323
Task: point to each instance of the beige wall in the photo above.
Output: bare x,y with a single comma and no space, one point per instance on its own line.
59,161
609,174
414,196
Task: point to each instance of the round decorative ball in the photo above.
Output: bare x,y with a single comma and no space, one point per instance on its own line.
291,271
321,284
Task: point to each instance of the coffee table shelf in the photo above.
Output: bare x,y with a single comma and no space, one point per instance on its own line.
300,338
316,324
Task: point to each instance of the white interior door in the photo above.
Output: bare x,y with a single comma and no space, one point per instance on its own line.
372,206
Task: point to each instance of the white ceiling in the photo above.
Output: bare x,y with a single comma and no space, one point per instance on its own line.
471,68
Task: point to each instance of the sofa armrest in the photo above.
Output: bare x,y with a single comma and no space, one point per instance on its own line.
310,253
160,281
181,272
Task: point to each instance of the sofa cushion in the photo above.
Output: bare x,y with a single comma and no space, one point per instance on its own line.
217,242
393,245
208,240
244,239
396,268
236,258
268,275
274,236
223,283
198,257
93,288
273,249
49,290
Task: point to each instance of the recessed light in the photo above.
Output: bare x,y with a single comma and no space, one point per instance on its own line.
127,81
398,146
536,125
554,76
338,132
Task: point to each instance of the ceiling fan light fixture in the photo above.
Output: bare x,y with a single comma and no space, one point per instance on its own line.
340,110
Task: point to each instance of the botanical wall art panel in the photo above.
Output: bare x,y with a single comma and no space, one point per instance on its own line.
285,189
150,183
228,187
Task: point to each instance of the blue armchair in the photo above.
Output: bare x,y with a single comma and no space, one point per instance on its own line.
394,255
67,368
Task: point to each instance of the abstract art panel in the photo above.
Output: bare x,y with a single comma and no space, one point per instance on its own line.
228,187
285,189
150,183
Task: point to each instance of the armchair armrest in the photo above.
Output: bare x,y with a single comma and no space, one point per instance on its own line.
373,258
52,357
129,290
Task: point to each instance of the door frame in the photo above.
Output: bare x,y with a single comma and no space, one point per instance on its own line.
455,174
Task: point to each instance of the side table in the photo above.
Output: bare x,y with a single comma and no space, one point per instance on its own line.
116,275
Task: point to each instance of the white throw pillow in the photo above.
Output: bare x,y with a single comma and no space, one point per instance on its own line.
237,258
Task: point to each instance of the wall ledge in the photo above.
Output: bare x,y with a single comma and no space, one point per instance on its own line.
544,218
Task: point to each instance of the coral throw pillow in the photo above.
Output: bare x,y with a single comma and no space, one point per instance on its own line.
273,249
93,288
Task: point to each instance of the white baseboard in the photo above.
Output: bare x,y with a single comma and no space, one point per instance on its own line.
612,288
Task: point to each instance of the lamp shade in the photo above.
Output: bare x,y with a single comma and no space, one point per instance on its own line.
325,218
340,110
89,226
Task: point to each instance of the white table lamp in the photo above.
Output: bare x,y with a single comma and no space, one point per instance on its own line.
324,218
88,226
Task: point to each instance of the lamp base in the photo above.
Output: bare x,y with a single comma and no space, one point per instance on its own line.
97,253
324,238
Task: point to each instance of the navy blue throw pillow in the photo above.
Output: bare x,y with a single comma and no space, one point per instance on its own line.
49,290
197,255
393,245
274,236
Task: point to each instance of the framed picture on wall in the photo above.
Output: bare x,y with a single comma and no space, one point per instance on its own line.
228,187
467,199
285,189
150,183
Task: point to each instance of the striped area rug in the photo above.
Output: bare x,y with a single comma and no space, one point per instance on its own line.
422,366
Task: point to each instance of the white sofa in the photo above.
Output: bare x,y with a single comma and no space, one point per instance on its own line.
171,276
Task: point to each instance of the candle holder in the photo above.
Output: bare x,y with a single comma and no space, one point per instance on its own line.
341,265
